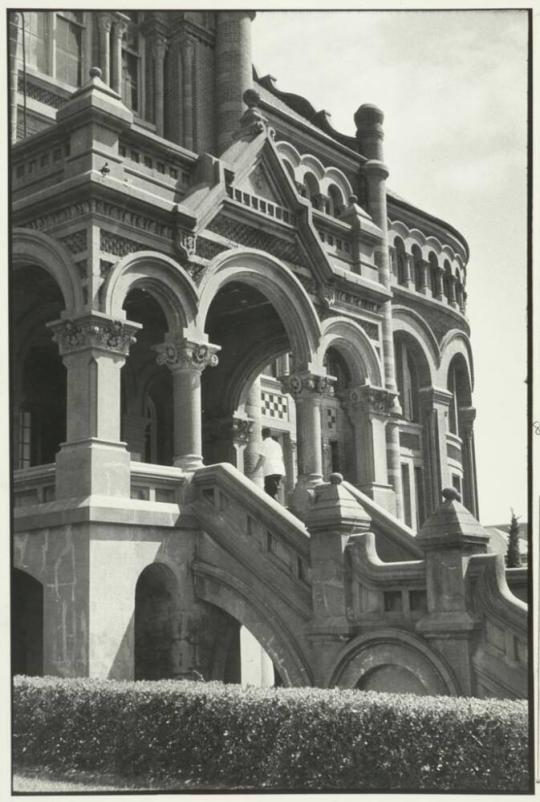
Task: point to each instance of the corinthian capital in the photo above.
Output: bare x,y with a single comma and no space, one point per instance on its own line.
96,332
371,400
303,385
183,354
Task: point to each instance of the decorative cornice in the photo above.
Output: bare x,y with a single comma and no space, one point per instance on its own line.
95,332
179,354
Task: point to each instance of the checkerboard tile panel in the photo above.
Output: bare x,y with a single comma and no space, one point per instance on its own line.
274,405
331,418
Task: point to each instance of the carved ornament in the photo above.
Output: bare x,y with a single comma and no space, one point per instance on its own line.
93,331
302,385
184,354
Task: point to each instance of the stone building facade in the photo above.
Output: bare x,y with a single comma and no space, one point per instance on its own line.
196,254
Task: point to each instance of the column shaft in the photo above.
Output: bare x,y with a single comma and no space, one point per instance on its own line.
118,31
105,24
233,71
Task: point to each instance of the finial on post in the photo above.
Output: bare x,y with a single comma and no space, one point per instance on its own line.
451,494
94,72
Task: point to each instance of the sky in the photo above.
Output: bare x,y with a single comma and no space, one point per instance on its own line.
453,88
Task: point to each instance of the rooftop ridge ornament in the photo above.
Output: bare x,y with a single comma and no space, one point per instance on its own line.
252,122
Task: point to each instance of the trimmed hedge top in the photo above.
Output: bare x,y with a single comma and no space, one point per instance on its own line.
284,738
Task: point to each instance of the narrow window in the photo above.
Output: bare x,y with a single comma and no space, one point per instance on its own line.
406,485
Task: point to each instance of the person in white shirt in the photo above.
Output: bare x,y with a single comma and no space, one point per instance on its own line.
271,461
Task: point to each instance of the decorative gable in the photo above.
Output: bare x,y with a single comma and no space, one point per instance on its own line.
260,182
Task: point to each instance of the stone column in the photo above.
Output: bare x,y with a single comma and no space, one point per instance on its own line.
435,404
188,95
233,71
14,24
409,271
369,410
187,359
307,389
159,49
470,492
93,460
449,537
118,30
105,25
369,132
252,450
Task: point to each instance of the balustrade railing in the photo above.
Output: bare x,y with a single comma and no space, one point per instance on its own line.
35,485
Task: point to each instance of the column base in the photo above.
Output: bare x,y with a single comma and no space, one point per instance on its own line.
189,462
92,467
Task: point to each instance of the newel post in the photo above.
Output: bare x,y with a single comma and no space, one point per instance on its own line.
333,516
449,538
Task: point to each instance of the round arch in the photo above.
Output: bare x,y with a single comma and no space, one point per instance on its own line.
162,277
276,282
455,342
242,602
247,371
289,152
392,647
348,337
35,247
408,321
156,604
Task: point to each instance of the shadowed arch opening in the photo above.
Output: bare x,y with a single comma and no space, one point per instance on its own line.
147,391
392,661
156,623
39,375
27,624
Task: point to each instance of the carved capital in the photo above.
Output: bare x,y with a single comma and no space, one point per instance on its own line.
327,295
105,22
371,400
119,29
183,354
467,416
95,332
305,385
159,46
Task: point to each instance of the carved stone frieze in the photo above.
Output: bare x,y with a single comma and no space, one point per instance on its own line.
117,245
94,331
96,206
183,354
208,249
76,242
38,92
242,234
229,428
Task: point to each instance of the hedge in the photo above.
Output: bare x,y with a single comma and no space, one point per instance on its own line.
283,738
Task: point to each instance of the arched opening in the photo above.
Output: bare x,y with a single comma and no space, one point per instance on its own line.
335,201
418,271
433,274
312,190
447,282
459,386
156,624
39,376
338,439
391,679
147,394
412,375
27,624
249,330
401,260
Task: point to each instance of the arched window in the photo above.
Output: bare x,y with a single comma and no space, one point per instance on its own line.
418,268
401,257
433,272
407,382
447,281
312,189
335,201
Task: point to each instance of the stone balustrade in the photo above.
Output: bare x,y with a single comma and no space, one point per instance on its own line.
34,485
262,205
258,524
155,482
